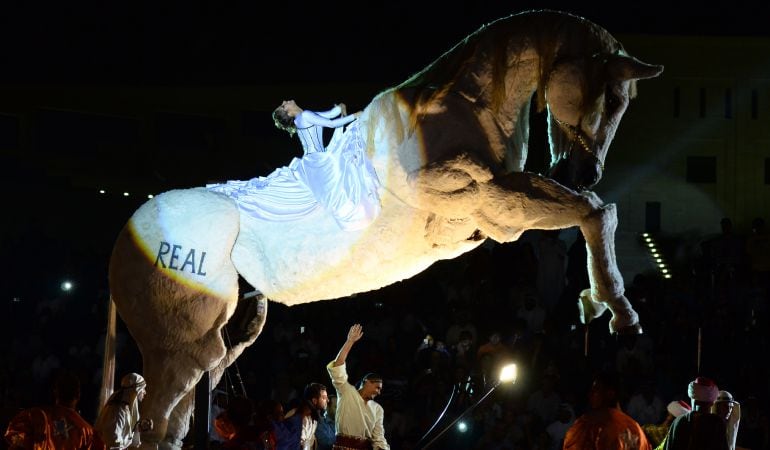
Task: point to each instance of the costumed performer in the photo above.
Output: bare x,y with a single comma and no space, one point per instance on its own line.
338,177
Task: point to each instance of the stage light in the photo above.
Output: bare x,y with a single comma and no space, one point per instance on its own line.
102,191
508,374
462,427
67,286
125,194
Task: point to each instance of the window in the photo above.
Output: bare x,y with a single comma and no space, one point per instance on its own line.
701,169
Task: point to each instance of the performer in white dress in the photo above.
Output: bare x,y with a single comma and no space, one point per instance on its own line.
338,177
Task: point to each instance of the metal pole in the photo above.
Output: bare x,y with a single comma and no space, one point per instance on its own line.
470,408
202,416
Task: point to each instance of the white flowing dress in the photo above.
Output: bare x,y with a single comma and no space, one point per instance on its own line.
338,178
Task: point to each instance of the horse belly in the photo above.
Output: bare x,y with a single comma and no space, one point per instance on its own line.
313,259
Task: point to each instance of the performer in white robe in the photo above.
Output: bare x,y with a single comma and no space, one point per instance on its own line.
338,177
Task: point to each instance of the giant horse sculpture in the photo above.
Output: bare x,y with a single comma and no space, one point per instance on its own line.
449,147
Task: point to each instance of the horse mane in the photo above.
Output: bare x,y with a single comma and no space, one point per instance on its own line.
553,34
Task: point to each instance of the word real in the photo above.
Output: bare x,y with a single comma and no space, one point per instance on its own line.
172,252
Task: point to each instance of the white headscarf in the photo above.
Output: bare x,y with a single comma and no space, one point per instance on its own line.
130,386
703,389
733,420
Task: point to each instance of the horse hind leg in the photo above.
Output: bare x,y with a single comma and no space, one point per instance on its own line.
176,314
245,326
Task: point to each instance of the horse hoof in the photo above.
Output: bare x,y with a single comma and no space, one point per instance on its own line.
589,309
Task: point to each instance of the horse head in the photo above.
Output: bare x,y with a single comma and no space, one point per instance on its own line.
585,99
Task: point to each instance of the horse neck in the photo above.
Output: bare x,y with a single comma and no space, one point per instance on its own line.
508,101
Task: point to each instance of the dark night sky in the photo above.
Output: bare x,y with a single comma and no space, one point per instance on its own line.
188,43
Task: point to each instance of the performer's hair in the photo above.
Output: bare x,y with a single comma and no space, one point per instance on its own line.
371,376
313,390
283,121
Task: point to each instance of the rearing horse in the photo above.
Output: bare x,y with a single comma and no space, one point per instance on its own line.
449,147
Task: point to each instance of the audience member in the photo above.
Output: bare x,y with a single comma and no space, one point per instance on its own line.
58,427
565,418
646,406
119,423
698,429
730,411
605,426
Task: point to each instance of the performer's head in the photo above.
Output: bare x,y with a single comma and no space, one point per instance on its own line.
370,386
724,404
284,115
316,395
703,392
134,382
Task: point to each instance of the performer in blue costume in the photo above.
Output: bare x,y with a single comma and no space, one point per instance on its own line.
339,177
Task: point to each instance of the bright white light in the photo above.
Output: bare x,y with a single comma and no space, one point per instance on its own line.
648,239
462,427
125,194
659,260
101,191
655,254
664,270
661,265
150,196
668,275
645,234
508,374
66,286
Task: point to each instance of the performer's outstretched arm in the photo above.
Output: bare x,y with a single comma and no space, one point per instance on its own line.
354,334
307,118
339,109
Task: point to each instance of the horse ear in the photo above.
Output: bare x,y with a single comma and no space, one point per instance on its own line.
624,67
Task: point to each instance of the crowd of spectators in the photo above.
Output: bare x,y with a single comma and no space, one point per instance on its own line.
445,332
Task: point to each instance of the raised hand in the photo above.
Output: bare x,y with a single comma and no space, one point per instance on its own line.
355,333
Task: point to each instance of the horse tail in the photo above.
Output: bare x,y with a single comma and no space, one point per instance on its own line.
108,363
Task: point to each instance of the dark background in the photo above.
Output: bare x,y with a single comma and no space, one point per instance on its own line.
183,43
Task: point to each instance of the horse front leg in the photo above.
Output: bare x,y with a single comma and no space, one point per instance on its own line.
517,202
607,287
